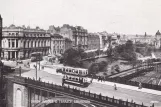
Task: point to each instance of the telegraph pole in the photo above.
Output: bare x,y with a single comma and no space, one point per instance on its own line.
39,61
20,70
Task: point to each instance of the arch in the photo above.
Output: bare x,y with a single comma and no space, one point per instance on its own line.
35,44
41,43
18,98
31,43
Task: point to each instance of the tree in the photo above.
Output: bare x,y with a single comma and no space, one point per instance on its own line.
94,68
72,57
102,65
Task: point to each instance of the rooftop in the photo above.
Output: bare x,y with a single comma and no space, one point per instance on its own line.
57,36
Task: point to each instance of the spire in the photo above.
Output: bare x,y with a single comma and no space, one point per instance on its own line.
0,16
158,33
145,34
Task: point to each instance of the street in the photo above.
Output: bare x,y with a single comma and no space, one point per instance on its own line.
96,87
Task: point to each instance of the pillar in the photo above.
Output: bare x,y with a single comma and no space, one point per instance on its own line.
19,43
15,54
26,42
15,43
11,43
10,54
29,44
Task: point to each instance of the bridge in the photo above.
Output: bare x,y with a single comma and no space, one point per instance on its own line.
33,93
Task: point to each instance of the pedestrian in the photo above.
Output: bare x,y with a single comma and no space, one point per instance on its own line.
115,87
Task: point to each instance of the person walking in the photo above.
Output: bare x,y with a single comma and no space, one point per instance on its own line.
115,87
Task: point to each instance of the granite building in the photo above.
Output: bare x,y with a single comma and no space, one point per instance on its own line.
93,41
57,44
20,42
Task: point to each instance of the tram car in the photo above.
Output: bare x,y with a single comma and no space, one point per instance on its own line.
75,71
75,76
76,80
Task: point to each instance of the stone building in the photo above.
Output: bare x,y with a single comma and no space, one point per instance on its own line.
20,42
93,41
158,40
57,44
78,35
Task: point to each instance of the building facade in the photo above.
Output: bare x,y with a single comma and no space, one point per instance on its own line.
20,42
57,44
158,40
80,37
93,41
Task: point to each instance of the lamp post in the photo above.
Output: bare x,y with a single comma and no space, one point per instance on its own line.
39,61
20,70
36,69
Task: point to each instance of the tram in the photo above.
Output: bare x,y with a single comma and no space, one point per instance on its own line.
75,76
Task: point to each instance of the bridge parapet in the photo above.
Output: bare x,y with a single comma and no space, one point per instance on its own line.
98,99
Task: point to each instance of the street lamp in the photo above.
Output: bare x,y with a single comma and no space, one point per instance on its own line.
36,69
20,70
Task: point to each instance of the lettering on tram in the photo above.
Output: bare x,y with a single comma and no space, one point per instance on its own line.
75,76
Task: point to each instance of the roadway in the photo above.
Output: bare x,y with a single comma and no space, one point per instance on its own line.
104,89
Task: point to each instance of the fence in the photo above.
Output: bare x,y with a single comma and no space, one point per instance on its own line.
84,94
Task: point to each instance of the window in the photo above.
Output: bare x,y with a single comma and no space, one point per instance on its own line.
80,72
70,70
35,43
28,43
76,71
16,43
76,79
24,44
31,43
13,43
9,42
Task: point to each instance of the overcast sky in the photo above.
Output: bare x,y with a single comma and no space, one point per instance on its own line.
120,16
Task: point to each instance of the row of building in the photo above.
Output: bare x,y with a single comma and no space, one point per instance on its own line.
19,42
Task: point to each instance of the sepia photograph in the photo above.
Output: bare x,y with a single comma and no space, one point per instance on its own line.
80,53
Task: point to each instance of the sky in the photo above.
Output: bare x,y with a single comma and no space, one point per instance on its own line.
120,16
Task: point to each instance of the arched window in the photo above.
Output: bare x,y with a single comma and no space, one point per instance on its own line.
35,43
18,98
31,43
28,43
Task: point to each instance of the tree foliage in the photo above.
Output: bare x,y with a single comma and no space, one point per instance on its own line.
72,57
125,51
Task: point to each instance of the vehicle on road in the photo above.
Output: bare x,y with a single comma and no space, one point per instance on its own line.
75,76
36,56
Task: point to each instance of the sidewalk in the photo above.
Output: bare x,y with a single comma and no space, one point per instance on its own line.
145,90
150,91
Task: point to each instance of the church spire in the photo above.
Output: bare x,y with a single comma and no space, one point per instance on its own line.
158,33
0,16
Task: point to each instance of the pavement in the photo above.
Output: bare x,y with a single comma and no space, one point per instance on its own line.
124,92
